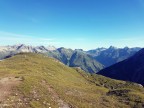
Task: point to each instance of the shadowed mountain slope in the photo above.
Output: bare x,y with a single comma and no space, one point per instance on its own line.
131,69
85,62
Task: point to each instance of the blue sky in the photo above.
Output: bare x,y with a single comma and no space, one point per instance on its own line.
85,24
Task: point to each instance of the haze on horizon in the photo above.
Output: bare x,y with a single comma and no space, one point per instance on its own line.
85,24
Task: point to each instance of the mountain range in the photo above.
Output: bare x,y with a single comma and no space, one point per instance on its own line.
76,58
112,55
6,51
91,61
72,58
131,69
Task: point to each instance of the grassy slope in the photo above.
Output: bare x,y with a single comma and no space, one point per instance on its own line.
45,81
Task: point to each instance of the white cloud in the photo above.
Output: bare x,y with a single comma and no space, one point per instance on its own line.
13,38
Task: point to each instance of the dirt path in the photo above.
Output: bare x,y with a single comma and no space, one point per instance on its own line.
6,85
56,97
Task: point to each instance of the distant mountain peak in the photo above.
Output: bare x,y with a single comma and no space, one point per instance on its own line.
61,48
126,48
78,49
51,48
112,47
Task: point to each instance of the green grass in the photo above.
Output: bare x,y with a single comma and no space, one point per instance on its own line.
75,87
